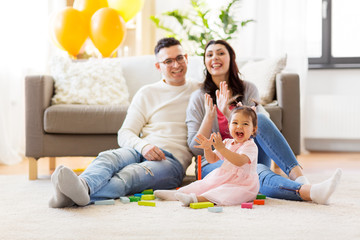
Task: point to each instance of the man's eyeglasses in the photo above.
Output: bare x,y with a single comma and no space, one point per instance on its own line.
170,61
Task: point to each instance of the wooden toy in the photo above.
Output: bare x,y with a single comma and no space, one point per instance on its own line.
105,202
201,205
259,202
146,203
215,209
147,197
134,199
148,191
247,205
260,196
124,200
199,166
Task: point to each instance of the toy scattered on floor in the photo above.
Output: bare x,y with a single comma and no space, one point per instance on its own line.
201,205
146,203
260,196
148,197
134,199
138,195
199,166
259,202
124,200
105,202
247,205
215,209
148,191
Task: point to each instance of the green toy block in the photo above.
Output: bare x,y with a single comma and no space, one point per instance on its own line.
134,199
260,196
201,205
147,197
105,202
148,191
146,203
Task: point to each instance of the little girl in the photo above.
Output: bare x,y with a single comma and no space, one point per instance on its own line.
236,181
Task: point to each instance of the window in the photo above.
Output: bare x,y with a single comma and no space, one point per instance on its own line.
333,34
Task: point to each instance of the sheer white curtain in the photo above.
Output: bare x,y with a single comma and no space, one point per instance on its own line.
24,49
280,28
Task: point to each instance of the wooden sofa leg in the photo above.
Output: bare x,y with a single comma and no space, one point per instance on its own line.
52,163
33,169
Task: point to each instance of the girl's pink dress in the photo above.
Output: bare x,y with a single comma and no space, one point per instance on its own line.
230,184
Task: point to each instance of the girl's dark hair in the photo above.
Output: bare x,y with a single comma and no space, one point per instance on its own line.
235,83
248,111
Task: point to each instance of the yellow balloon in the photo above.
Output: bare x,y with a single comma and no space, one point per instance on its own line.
126,8
70,30
89,7
107,30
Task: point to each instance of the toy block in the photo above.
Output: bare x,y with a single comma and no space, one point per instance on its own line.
124,200
199,167
146,203
260,196
148,191
201,205
147,197
215,209
138,195
105,202
259,202
247,205
134,199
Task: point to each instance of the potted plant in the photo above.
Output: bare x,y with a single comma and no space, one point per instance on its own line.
200,24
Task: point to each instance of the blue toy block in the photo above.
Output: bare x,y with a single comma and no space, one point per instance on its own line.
105,202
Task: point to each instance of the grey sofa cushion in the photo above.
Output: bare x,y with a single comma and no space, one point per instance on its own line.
275,115
84,119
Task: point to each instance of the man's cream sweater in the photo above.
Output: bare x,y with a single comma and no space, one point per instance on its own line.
156,116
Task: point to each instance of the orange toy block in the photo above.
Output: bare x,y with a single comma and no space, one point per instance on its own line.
259,202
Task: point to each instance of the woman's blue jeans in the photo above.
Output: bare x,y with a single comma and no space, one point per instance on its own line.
124,171
272,145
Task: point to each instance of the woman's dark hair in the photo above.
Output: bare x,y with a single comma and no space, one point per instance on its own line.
235,84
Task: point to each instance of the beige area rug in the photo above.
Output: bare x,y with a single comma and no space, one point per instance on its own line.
24,214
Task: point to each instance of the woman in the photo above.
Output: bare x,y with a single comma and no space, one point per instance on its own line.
207,113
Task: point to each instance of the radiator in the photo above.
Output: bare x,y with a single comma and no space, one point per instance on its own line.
332,123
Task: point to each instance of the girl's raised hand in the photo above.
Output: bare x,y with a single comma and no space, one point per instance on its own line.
203,142
222,98
217,141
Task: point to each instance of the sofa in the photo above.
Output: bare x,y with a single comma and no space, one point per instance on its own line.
59,130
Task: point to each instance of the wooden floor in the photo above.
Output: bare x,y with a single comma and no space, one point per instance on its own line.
311,162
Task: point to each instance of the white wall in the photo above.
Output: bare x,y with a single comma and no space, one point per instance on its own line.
332,110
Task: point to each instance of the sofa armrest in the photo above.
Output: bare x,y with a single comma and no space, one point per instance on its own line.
288,96
39,90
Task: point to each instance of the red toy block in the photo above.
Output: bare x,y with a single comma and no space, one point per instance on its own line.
247,205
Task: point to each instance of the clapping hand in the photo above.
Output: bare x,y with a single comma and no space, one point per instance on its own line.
217,141
203,142
222,98
210,107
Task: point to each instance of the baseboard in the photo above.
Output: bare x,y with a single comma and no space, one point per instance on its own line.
332,145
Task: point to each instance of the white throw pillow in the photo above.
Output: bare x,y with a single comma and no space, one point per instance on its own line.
93,81
262,73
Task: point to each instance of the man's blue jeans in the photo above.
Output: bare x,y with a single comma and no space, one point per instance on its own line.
272,145
124,171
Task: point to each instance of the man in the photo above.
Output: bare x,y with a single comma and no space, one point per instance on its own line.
158,159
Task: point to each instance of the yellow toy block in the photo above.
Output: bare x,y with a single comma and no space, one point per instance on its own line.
201,205
146,203
148,191
148,197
